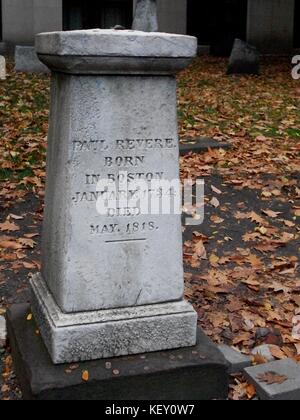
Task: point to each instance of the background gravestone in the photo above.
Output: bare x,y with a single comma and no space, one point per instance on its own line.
145,18
27,61
2,68
244,59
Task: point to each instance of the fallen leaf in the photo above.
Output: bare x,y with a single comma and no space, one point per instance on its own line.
85,375
200,250
216,190
271,213
258,359
289,224
10,245
8,227
216,219
27,242
15,217
277,352
215,202
214,259
271,378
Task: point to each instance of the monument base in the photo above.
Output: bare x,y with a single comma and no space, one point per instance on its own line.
194,373
111,333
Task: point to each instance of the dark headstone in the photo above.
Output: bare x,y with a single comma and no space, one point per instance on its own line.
195,373
145,18
244,59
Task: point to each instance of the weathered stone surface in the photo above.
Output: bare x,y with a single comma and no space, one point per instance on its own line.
27,61
194,373
102,267
2,68
244,59
288,390
3,332
145,18
84,146
111,333
237,361
115,43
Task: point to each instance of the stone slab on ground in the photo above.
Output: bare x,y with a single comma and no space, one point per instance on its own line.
196,373
288,390
236,360
27,61
201,145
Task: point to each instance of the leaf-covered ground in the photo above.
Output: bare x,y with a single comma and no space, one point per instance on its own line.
242,264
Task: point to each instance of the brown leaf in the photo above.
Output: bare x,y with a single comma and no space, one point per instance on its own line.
214,260
85,375
251,391
289,224
271,213
28,243
216,219
271,378
257,219
258,359
277,352
8,227
28,265
10,245
216,190
200,250
297,213
254,261
31,235
215,202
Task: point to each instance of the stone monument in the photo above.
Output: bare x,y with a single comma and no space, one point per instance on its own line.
111,282
244,59
2,68
145,18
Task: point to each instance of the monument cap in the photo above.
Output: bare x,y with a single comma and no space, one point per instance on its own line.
114,43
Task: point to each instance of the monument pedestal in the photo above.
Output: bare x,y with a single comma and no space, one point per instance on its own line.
192,373
112,332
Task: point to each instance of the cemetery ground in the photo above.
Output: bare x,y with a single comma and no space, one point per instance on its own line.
242,263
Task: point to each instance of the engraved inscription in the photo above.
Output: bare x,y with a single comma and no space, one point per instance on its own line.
125,171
